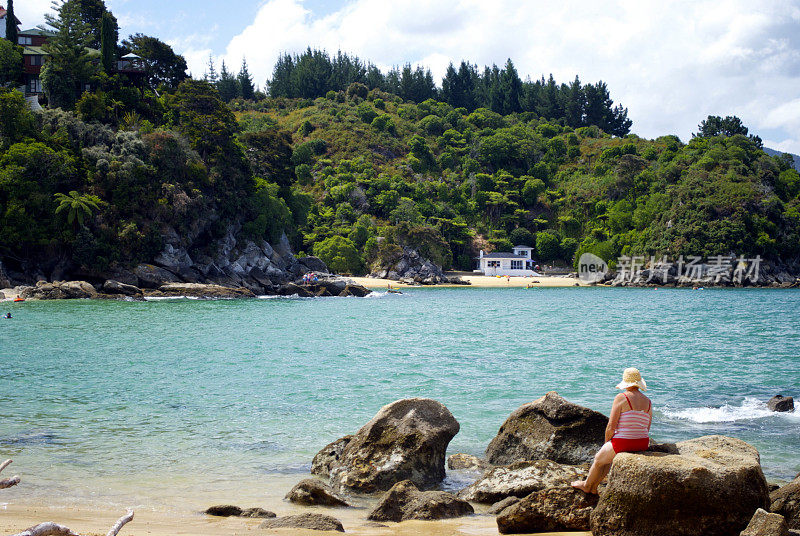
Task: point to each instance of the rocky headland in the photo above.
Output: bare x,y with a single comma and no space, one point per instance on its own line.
237,270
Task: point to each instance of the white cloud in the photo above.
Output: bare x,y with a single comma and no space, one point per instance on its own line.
670,63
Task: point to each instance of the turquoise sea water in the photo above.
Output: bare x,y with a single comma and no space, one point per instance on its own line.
195,391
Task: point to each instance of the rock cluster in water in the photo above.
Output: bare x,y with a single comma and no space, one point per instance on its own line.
709,486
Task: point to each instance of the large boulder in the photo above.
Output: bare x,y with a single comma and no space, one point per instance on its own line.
765,524
60,290
781,403
549,510
115,287
312,492
406,439
151,276
405,501
519,480
786,502
329,456
548,428
304,521
709,486
314,264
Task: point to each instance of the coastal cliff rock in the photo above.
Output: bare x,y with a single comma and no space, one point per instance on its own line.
519,480
781,403
468,462
329,456
548,428
60,290
710,486
304,521
151,276
406,439
786,502
549,510
405,501
765,524
410,267
312,492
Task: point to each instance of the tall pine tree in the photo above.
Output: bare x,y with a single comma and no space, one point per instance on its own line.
211,75
11,23
108,41
246,87
227,85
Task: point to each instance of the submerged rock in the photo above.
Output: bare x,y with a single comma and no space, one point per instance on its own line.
199,290
304,521
786,502
548,510
520,479
469,462
229,510
405,501
406,439
765,524
710,487
499,506
548,428
781,403
312,492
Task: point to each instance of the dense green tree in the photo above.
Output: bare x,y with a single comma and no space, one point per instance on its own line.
164,67
16,120
11,24
245,81
10,63
730,125
91,13
211,75
70,63
547,246
340,254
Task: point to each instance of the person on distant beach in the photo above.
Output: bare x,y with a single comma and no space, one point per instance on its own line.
628,428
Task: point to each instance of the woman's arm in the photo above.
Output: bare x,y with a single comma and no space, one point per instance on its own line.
613,420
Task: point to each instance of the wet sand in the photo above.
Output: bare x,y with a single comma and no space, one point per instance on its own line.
18,517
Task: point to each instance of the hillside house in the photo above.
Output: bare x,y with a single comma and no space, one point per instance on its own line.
518,263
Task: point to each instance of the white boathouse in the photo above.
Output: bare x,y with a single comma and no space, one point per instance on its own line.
517,263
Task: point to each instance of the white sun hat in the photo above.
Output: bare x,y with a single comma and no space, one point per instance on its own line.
632,378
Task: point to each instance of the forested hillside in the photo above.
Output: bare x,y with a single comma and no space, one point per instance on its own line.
353,164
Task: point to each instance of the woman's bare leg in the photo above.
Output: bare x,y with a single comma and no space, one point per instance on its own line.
598,471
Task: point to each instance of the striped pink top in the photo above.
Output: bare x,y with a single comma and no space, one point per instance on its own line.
633,424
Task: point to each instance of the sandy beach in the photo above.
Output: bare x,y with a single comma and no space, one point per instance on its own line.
483,281
154,522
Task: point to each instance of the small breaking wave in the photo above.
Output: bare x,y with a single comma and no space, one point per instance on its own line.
750,409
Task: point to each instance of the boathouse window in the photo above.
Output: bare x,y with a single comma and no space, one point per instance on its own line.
493,264
516,265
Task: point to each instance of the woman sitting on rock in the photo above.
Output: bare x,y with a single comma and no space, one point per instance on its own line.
628,428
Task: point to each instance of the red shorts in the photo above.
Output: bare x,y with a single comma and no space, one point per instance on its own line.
629,445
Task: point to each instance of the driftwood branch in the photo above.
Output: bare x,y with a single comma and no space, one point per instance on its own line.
8,482
54,529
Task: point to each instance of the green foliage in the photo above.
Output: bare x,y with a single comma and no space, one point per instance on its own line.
547,246
10,62
522,237
11,23
108,41
77,206
340,254
16,120
164,67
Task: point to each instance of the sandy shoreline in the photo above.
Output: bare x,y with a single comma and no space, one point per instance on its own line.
482,281
97,520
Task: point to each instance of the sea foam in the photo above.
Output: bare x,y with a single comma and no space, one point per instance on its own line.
750,409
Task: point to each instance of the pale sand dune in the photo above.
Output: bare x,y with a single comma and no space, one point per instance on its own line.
482,281
15,518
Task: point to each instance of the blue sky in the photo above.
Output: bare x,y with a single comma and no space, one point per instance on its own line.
671,63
